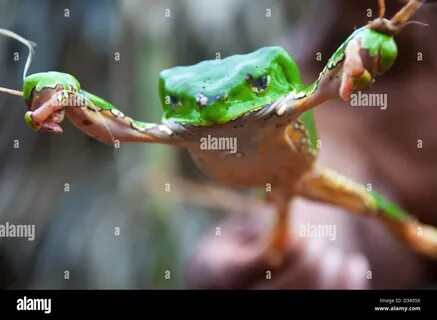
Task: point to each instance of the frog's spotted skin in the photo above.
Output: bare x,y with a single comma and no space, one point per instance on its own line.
258,100
298,133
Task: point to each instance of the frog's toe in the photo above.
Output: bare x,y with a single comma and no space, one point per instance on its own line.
28,119
348,83
346,87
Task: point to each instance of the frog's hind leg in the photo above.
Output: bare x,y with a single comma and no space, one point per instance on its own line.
327,186
280,233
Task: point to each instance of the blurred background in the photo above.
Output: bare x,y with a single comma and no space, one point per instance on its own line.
124,189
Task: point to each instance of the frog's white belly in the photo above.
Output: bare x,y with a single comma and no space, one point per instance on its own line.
250,154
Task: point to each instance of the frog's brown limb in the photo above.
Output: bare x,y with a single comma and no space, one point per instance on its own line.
355,71
327,186
110,129
354,74
109,126
280,233
292,106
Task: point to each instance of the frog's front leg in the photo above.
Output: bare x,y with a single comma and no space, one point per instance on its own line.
352,69
370,51
327,186
95,117
112,126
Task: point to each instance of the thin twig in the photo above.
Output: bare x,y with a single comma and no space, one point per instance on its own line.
381,4
27,43
11,91
204,195
406,12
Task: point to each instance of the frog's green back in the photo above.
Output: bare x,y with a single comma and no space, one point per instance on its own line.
49,79
218,91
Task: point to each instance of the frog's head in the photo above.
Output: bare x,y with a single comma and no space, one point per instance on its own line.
218,91
40,88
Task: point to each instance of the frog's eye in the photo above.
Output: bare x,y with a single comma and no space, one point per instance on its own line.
258,85
172,101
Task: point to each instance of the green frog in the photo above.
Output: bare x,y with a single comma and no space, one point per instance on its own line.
259,102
